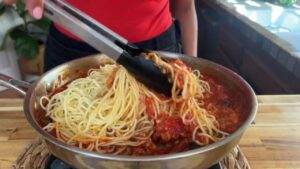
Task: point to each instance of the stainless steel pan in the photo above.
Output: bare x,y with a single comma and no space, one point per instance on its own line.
202,157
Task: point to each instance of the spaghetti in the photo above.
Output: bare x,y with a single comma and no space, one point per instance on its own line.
109,111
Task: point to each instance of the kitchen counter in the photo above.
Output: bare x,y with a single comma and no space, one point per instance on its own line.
272,142
275,29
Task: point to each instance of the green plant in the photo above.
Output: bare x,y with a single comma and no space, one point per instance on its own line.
28,36
287,2
2,8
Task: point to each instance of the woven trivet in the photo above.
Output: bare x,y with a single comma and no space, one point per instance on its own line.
35,156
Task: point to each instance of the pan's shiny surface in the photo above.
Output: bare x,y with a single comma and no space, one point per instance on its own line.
197,158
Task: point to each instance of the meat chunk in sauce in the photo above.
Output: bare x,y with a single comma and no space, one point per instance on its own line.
169,128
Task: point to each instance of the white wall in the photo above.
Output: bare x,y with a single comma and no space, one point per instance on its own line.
8,58
8,63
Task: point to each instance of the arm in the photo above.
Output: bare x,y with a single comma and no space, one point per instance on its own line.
184,11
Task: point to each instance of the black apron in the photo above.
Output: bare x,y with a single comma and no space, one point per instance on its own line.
61,48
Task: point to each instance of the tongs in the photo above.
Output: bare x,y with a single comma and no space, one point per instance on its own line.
109,43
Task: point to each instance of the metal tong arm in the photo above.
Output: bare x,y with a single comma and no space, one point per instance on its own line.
14,84
85,27
108,42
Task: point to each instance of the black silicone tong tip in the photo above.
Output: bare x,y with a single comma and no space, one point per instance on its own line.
147,73
143,69
131,49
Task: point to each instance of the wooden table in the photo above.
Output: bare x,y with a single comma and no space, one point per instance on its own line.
272,142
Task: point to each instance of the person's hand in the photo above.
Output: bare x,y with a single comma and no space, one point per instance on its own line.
34,7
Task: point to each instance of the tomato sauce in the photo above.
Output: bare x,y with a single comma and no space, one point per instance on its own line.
227,106
172,135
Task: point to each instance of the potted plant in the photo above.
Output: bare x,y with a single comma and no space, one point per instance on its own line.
28,39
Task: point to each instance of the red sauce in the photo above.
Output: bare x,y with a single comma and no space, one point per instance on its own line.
149,108
227,106
169,128
172,135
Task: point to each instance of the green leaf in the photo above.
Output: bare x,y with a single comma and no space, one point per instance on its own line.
13,33
26,47
20,8
43,24
2,8
17,32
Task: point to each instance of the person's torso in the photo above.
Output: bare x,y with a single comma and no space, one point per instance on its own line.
135,20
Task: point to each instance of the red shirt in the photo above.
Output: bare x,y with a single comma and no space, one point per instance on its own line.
135,20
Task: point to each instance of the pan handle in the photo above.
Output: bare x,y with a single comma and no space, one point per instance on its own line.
14,84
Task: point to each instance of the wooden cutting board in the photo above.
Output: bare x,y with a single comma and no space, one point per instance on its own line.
272,142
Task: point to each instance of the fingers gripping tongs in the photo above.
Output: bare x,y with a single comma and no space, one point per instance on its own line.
109,43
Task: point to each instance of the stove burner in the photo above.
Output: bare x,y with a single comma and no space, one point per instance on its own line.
55,163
